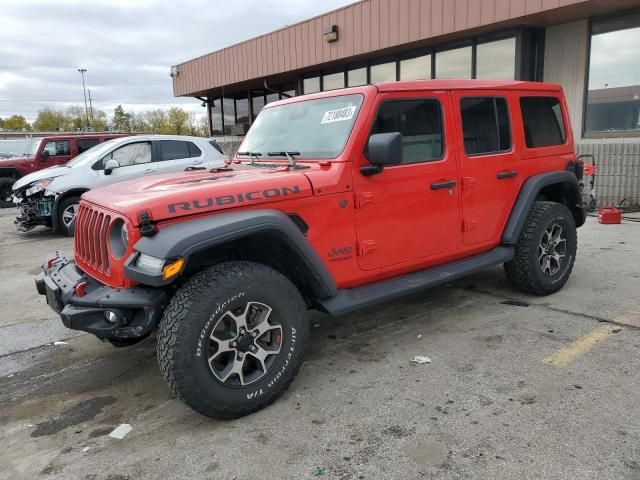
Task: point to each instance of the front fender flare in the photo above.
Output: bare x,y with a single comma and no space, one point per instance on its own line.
528,194
186,238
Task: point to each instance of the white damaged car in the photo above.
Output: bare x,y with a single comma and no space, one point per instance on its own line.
50,197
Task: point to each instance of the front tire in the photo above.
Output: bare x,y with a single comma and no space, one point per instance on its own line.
6,192
67,213
232,339
546,250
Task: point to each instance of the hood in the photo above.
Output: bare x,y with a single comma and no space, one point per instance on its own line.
188,193
51,172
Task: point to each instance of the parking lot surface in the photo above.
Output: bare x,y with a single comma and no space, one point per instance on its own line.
518,387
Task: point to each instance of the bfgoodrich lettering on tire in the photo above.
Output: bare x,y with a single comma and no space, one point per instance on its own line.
546,250
232,339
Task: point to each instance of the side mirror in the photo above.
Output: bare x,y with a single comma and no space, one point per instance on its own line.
110,166
382,149
45,155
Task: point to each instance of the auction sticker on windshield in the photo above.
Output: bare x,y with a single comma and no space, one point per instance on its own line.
339,115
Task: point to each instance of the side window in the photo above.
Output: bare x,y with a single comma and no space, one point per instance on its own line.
58,147
542,120
193,150
86,143
419,122
174,149
130,154
485,125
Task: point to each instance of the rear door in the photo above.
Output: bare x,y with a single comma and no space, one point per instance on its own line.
409,211
177,155
84,144
488,162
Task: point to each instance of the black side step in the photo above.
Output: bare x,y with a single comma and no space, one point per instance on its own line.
348,300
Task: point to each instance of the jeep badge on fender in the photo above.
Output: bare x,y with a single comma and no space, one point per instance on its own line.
336,202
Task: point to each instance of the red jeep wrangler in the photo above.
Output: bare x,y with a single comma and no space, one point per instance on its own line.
336,201
45,152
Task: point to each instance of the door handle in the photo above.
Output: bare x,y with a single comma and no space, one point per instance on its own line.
149,170
196,162
507,174
443,184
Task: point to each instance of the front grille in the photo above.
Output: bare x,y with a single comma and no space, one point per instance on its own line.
91,237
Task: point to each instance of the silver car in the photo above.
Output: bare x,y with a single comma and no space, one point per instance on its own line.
50,197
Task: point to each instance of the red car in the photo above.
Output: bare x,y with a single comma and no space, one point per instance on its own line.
42,153
336,201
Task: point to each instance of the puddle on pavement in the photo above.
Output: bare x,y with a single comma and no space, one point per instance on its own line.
80,413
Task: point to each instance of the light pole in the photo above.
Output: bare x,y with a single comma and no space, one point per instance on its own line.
84,90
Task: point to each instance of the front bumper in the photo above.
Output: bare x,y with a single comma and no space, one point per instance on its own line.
33,211
133,312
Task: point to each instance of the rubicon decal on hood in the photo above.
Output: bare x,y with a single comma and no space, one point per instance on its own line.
227,200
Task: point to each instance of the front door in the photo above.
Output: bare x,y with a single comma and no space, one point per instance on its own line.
488,162
59,151
409,211
134,160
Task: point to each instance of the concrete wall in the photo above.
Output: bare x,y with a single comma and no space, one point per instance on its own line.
618,159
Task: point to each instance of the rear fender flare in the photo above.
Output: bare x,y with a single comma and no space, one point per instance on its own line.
530,191
187,238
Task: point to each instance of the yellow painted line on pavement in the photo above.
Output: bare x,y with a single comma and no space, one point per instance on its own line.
569,353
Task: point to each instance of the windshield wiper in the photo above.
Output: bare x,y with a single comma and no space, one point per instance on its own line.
251,155
289,154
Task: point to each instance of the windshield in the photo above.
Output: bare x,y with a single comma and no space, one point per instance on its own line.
91,155
21,147
314,128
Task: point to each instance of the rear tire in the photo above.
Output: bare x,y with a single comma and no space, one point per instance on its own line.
207,316
546,250
6,192
67,211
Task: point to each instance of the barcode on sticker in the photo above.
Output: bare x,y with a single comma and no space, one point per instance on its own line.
339,115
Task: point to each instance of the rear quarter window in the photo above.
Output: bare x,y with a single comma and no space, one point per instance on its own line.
543,122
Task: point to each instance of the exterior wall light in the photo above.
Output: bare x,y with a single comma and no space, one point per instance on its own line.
175,71
330,33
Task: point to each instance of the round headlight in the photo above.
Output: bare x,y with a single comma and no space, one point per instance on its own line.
119,238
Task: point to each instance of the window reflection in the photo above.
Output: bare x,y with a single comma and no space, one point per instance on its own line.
418,68
333,81
216,116
357,77
384,72
311,85
228,111
454,63
496,60
257,102
242,114
613,99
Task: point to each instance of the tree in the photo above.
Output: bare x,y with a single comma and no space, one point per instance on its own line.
139,123
100,123
156,120
50,120
121,120
16,122
1,123
76,117
177,121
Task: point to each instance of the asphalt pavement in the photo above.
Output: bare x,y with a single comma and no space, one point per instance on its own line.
518,387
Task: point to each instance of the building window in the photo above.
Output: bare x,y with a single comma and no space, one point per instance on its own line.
419,122
357,77
613,98
485,125
242,114
273,97
542,121
333,81
229,114
311,85
216,117
418,68
288,90
383,72
454,63
496,60
257,102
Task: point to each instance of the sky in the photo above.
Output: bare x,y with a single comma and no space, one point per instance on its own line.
127,47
